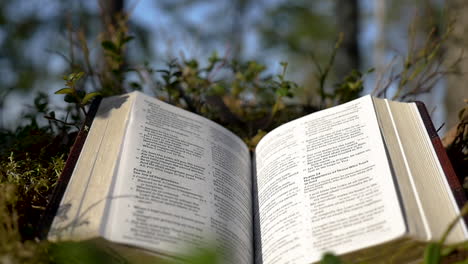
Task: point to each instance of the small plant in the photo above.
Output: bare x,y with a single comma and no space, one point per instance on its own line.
32,181
245,100
25,186
420,69
456,144
73,95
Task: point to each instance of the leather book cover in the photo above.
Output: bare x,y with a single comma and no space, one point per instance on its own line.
452,178
62,182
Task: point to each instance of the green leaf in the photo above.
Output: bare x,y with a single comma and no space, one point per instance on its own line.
65,91
329,258
71,76
204,256
432,253
78,75
88,97
80,94
192,63
282,91
109,46
69,98
136,86
214,57
164,71
81,252
217,89
127,39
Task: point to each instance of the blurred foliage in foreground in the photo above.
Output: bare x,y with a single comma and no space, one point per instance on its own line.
239,95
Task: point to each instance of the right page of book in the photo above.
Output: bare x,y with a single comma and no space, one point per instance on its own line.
325,184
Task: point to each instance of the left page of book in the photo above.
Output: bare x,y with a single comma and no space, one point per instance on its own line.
183,183
83,204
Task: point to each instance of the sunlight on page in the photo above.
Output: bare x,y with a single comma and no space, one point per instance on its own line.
325,184
185,184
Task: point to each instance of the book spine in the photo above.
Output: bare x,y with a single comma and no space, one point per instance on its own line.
62,182
457,189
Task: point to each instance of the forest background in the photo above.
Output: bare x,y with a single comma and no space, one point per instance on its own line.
210,57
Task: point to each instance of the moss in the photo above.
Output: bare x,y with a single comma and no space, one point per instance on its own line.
32,182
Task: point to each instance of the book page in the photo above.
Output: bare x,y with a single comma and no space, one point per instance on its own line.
84,202
324,184
183,183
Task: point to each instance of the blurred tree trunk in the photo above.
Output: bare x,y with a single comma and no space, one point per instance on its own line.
348,17
457,88
113,21
238,27
111,9
379,48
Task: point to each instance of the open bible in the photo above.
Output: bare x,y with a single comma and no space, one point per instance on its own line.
360,180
